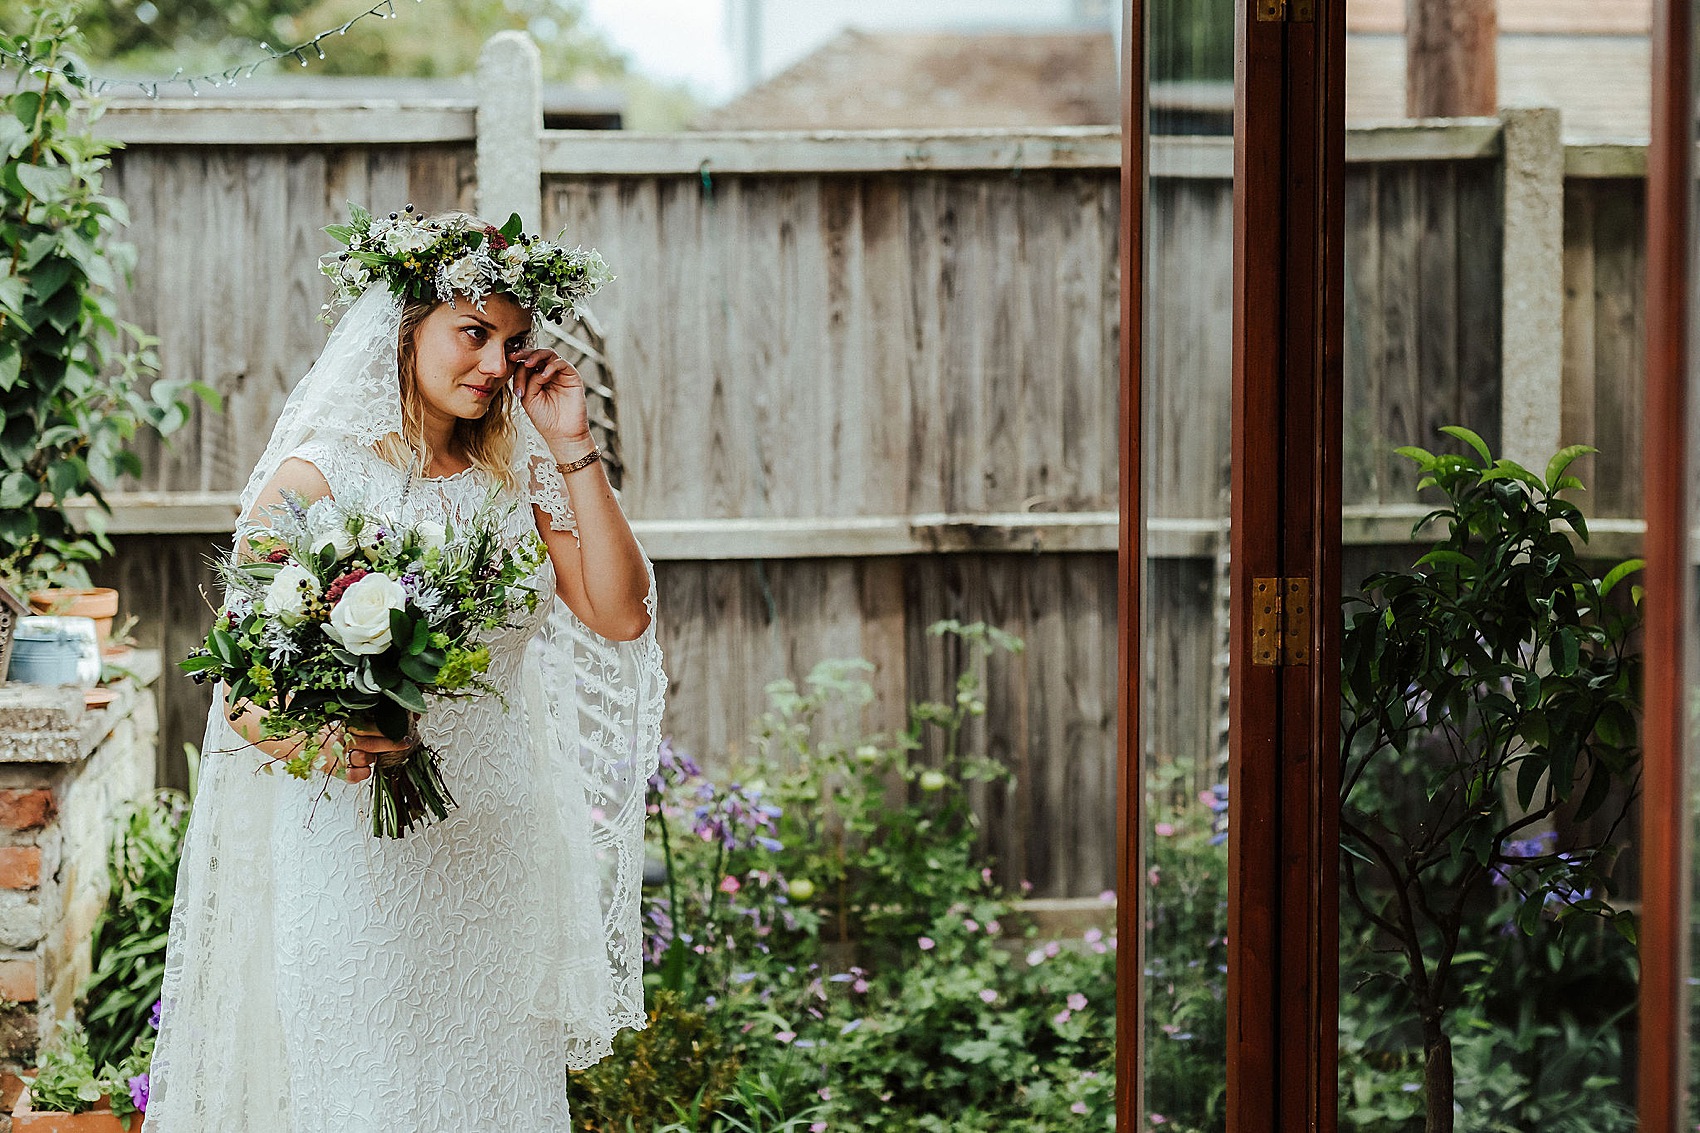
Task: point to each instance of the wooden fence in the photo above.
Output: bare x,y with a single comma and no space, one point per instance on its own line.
869,381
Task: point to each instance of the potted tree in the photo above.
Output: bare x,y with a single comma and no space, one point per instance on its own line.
76,382
1490,737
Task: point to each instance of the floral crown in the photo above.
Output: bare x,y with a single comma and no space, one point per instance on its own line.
438,258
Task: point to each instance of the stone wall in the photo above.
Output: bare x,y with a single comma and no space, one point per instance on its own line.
66,772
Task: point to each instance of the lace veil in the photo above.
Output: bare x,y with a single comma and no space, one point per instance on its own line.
594,706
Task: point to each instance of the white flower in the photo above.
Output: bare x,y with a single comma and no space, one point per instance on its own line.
432,535
409,238
291,590
465,275
337,538
360,621
373,537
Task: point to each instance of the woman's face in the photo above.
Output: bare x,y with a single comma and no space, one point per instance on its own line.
460,355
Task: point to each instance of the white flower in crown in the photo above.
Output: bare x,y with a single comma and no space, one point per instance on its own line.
464,276
409,238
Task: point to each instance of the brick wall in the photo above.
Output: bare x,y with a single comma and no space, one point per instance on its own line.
65,774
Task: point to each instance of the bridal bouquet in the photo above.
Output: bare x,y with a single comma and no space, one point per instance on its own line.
343,618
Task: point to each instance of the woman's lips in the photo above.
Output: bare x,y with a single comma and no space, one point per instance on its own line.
481,391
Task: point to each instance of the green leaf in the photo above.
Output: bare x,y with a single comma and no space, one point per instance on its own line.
1562,459
407,695
1564,652
1470,438
45,182
1620,572
1421,456
1441,556
512,227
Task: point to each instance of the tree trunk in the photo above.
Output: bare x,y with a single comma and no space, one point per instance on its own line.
1437,1079
1451,58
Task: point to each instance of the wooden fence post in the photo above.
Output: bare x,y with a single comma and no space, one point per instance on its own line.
1532,328
510,129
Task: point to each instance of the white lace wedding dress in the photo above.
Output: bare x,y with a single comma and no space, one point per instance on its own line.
324,981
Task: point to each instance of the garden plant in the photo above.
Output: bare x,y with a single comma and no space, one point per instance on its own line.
1490,757
833,947
76,382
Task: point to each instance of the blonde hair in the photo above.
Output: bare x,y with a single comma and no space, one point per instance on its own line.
487,442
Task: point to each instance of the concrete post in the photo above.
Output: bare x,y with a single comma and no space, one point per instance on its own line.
1532,327
510,128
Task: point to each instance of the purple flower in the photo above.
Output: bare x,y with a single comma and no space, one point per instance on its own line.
153,1017
139,1091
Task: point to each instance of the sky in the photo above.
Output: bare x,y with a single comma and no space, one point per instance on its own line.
671,40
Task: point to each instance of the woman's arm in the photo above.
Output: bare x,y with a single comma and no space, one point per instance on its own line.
601,574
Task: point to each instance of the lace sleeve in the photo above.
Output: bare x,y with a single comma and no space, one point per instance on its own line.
547,489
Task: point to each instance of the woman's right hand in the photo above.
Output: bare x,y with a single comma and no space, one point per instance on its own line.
361,749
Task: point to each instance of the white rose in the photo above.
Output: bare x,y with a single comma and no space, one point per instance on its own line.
337,538
411,238
465,276
291,590
432,535
373,538
360,621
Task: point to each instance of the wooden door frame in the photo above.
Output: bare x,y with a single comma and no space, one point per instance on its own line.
1130,561
1667,837
1283,951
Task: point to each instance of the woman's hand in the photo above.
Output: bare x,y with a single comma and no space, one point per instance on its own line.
361,750
551,392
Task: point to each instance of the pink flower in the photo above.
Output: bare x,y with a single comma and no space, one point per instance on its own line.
1076,1002
1153,876
729,884
1077,1107
860,987
971,924
786,1036
986,875
1035,958
1165,829
927,943
1159,1119
1108,896
993,927
1062,1016
1052,948
987,995
818,1127
1093,935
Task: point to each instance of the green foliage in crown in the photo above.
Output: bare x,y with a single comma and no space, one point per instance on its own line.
440,257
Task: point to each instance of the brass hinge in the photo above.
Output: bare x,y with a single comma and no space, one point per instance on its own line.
1280,621
1286,11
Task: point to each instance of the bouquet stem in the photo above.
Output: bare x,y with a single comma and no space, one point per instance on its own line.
406,792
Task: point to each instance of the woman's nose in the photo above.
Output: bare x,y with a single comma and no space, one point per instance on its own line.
493,360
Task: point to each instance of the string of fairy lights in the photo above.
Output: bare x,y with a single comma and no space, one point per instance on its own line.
304,53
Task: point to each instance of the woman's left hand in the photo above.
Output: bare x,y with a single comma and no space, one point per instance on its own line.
551,392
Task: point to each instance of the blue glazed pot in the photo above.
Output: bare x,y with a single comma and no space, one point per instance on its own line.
55,651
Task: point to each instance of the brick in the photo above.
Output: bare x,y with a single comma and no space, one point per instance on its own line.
26,810
18,984
10,1087
20,867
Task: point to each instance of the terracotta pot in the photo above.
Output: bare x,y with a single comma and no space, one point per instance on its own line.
97,602
101,1119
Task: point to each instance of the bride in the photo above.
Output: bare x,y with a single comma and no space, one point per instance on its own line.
319,979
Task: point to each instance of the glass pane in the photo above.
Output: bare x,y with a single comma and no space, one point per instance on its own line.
1489,715
1187,401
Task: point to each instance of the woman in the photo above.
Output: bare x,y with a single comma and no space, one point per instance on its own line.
321,979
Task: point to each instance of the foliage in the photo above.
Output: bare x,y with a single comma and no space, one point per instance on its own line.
676,1057
1186,1018
73,377
1490,699
128,950
69,1079
829,912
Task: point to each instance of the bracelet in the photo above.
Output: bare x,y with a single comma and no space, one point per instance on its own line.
584,461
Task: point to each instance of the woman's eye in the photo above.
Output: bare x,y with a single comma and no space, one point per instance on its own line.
477,333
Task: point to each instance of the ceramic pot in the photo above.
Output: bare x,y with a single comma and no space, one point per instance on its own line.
97,602
55,651
101,1119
